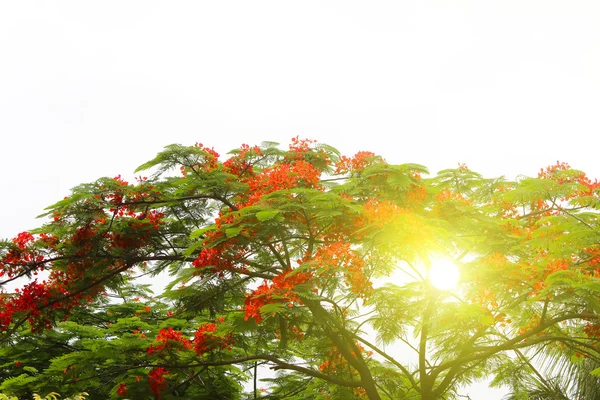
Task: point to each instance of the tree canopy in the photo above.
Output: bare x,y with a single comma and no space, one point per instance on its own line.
314,265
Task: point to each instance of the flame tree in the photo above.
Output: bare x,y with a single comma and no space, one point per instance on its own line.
310,263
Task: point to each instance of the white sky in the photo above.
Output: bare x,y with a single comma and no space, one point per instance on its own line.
91,89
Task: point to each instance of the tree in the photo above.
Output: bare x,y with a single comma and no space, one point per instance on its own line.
109,339
307,262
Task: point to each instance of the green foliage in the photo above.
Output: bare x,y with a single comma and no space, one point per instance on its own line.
312,265
49,396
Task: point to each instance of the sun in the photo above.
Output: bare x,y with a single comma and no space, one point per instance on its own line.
444,274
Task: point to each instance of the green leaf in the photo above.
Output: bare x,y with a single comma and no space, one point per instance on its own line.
272,308
233,232
268,145
591,285
33,370
577,359
266,215
199,232
328,148
193,248
561,278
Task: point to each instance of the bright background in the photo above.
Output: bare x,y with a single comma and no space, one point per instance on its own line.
90,89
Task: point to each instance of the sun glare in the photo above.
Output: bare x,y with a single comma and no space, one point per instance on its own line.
444,274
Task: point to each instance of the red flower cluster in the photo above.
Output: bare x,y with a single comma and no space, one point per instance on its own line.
83,239
211,258
339,256
169,338
280,291
301,146
16,259
209,161
358,162
258,298
592,330
157,380
554,172
122,389
239,164
29,299
211,158
224,257
206,339
336,362
23,239
281,177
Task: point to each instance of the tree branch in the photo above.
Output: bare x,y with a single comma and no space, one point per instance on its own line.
513,343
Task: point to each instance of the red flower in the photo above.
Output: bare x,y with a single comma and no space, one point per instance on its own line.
157,380
122,389
202,338
282,289
169,338
22,239
206,339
